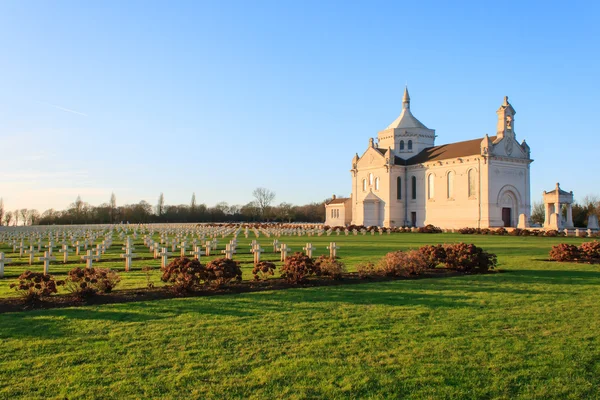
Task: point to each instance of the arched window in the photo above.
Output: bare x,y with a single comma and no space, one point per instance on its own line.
399,188
414,187
409,145
430,186
376,183
370,179
450,184
364,185
472,183
401,145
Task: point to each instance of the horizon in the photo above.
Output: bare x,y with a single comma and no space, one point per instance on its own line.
139,99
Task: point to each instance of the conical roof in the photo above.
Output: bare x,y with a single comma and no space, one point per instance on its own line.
406,119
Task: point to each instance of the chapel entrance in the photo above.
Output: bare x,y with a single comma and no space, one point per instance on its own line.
507,217
413,219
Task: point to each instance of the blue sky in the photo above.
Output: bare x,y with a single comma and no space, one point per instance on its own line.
219,98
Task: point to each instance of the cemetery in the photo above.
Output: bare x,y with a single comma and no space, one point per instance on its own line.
462,323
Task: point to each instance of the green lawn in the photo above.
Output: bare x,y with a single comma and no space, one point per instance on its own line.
531,332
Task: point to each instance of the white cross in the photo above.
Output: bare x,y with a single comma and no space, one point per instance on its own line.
21,247
65,251
208,246
89,258
183,247
309,249
284,249
275,246
128,256
332,250
197,252
229,251
164,257
257,250
31,253
3,260
49,246
46,259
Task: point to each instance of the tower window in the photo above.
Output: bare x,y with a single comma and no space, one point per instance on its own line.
376,183
414,187
370,179
364,185
399,188
409,145
401,145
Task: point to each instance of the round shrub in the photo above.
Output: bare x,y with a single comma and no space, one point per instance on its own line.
433,254
222,271
402,263
327,266
35,286
184,275
263,270
469,258
590,250
297,268
564,252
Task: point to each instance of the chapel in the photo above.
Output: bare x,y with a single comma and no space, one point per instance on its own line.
404,179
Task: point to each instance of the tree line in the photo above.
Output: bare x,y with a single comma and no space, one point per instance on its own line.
81,212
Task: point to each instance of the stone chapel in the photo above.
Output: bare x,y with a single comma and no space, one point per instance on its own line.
404,179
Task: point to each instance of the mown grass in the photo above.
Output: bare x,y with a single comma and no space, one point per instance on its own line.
531,332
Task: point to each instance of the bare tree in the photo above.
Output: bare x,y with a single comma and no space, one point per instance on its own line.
24,215
7,218
263,199
538,214
1,210
113,206
33,216
160,206
193,203
16,217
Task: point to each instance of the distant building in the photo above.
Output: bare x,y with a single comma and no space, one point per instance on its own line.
405,180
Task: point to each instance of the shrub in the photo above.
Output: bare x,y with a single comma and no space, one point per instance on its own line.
429,229
551,233
469,258
184,275
35,286
331,267
402,263
366,270
263,270
467,231
500,231
516,232
222,271
564,252
87,282
590,250
297,268
433,254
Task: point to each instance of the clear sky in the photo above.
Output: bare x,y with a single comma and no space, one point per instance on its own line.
221,97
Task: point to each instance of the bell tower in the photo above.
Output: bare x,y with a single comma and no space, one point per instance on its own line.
506,120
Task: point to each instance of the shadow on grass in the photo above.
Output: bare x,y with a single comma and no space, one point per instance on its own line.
454,292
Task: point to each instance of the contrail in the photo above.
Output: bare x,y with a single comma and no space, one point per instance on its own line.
65,109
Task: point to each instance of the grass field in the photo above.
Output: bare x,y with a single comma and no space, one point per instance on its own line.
530,332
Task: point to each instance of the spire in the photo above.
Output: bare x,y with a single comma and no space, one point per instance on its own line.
406,99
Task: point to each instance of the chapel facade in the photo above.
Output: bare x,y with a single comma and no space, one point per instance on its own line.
404,179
